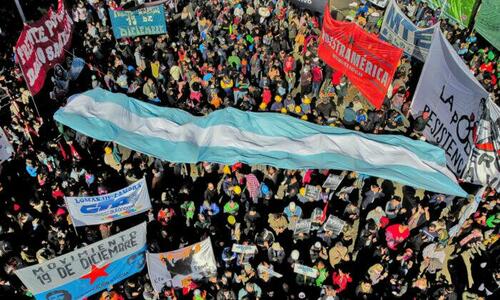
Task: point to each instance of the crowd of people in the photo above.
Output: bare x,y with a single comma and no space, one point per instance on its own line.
260,55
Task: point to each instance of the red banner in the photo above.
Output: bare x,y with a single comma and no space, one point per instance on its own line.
42,45
366,60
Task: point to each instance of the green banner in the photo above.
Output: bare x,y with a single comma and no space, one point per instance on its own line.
488,21
460,11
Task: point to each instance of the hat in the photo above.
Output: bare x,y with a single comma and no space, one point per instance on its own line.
304,117
302,191
278,98
262,106
237,189
298,109
231,220
295,254
317,245
306,100
226,170
108,150
283,110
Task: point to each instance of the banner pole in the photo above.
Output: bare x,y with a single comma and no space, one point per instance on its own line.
20,10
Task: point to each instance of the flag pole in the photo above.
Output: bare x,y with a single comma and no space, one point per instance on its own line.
23,18
20,10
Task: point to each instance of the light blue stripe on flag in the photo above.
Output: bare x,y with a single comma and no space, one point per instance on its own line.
229,135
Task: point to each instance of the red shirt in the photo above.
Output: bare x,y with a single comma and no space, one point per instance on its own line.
341,281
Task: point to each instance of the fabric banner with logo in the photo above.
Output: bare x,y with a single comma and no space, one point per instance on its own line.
42,45
144,21
368,62
93,210
88,270
230,135
6,149
487,21
400,31
484,162
448,92
312,5
179,267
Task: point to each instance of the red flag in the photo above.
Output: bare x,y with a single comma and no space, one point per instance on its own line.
366,60
42,45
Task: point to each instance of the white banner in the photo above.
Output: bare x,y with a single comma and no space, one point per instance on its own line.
6,149
177,268
90,269
123,203
450,94
400,31
484,163
380,3
305,270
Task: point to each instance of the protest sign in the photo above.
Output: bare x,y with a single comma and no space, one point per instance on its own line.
312,5
368,62
334,224
302,227
42,44
245,249
305,270
487,22
144,21
484,162
312,192
88,270
333,181
6,149
272,273
400,31
93,210
449,93
177,268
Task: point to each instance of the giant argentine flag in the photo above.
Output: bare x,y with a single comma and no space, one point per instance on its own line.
230,135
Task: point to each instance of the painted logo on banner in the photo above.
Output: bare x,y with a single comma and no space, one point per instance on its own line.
126,202
179,267
144,21
484,163
401,32
88,270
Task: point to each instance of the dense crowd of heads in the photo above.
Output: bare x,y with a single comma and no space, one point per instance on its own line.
258,56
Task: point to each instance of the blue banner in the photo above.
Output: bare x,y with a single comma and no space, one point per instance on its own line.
88,270
144,21
400,31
